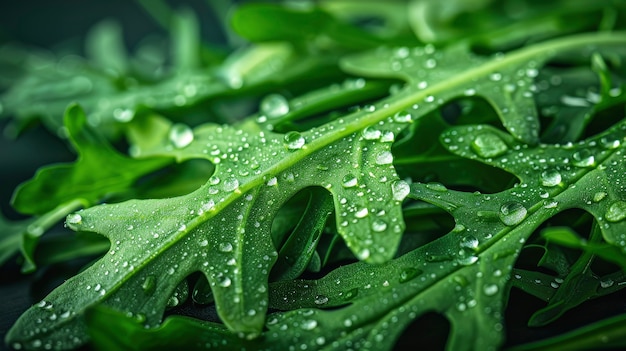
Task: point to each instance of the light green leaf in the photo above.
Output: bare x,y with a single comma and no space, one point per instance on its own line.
99,172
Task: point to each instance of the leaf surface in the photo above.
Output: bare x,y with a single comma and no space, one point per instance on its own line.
223,229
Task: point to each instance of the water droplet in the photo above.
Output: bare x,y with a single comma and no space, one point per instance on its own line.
616,212
362,213
495,76
488,145
388,137
350,294
379,226
436,187
370,133
467,260
512,213
606,283
207,206
583,158
180,135
74,218
599,196
225,282
123,115
403,117
230,184
550,178
384,158
273,181
610,143
409,274
364,254
309,324
226,247
274,106
490,289
149,285
320,300
349,181
294,140
469,242
204,242
400,190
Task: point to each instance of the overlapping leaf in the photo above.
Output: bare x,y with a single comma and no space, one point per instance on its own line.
223,228
465,275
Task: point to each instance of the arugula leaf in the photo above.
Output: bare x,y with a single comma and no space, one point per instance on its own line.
371,190
78,181
223,228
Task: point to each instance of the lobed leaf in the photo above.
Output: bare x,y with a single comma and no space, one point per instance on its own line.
223,229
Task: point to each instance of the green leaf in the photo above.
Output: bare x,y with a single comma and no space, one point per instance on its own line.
298,250
99,172
606,334
223,230
257,22
105,46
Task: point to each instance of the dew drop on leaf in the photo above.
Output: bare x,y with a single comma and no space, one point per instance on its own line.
467,259
371,133
409,274
349,181
309,324
294,140
490,289
350,294
550,178
388,137
149,285
124,115
230,184
74,218
384,158
226,247
469,242
362,213
207,206
379,225
512,213
616,212
610,143
320,299
180,135
436,187
364,254
599,196
583,158
402,117
489,145
400,189
225,282
274,106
